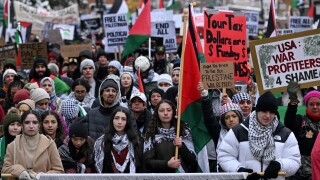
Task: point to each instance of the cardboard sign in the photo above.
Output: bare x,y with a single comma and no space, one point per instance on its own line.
66,31
300,23
45,28
74,50
166,30
8,51
225,39
281,59
29,51
284,31
116,30
39,16
217,75
54,36
252,19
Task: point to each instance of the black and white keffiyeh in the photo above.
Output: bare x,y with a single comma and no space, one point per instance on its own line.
260,137
119,143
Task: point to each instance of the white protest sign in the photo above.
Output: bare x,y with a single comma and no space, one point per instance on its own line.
300,23
66,31
284,58
166,30
284,31
159,15
252,19
116,30
178,20
69,15
199,20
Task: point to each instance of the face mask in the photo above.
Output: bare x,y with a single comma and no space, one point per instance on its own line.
164,88
40,111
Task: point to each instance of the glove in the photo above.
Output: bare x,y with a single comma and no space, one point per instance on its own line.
292,89
245,170
24,176
272,170
253,176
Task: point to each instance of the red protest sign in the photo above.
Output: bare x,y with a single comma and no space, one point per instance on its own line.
225,39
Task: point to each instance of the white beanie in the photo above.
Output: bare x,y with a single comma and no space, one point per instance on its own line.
87,62
165,78
116,64
9,71
39,94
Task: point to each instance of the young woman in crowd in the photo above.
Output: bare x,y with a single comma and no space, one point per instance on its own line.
161,141
13,87
77,151
11,128
51,125
155,96
80,92
54,102
31,153
26,105
126,85
119,149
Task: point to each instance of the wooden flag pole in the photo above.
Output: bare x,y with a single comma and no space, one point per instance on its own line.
119,51
115,54
185,20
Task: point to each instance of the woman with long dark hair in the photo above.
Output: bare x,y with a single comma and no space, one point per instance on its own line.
119,149
161,142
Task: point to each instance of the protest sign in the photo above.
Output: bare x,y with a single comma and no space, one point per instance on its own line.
281,59
217,75
225,39
284,31
28,51
252,19
39,16
74,50
45,28
66,31
116,30
93,23
160,15
8,51
300,23
54,36
166,30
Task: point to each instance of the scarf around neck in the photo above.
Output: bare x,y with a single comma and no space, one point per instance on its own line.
119,143
260,137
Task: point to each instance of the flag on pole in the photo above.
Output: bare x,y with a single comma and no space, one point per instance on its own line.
161,4
173,4
191,110
311,11
271,28
6,12
119,7
140,82
18,40
142,4
139,33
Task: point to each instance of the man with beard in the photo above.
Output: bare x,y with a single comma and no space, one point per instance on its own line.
110,98
40,70
87,68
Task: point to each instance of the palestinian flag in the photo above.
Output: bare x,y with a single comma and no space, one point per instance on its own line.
271,28
311,11
18,40
191,111
173,4
161,4
120,7
6,12
139,33
142,4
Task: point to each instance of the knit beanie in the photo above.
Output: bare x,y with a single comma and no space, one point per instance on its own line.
39,59
10,118
116,64
53,55
38,94
229,107
311,94
9,71
21,95
240,97
165,78
156,90
109,83
69,108
87,62
267,102
28,102
78,128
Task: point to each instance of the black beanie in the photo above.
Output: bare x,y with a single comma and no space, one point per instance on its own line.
156,90
78,128
267,102
11,118
39,59
109,83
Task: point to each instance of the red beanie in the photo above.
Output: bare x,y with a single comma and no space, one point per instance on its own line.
53,55
21,95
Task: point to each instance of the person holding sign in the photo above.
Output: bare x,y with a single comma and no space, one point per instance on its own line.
260,144
161,141
305,127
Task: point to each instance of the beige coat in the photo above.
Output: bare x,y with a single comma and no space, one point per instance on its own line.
46,157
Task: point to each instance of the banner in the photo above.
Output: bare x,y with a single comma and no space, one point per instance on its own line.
167,31
284,31
300,23
28,51
74,50
66,31
116,31
252,19
217,75
8,51
69,15
281,59
225,39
